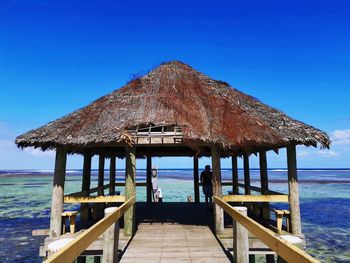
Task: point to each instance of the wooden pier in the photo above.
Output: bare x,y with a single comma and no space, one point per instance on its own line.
170,242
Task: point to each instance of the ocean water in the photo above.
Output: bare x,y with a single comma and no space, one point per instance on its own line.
324,198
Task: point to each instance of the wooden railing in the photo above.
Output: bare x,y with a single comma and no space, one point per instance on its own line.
256,198
96,189
287,251
73,249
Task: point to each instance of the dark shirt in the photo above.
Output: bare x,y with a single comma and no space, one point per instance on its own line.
206,178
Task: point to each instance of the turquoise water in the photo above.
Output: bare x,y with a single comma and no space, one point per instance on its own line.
324,195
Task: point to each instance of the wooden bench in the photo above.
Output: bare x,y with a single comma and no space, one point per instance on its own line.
71,216
279,218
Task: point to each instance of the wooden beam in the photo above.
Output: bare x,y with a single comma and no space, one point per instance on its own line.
196,179
58,192
130,169
264,181
240,239
256,198
149,190
73,249
235,187
101,171
217,189
86,184
286,250
293,188
111,239
246,174
94,199
112,167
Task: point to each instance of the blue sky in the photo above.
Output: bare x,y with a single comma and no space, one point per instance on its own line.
57,56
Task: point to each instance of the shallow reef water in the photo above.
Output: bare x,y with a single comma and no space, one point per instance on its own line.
324,200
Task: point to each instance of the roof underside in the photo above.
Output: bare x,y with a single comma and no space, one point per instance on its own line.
175,95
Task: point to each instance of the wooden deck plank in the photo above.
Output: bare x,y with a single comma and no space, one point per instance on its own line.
174,243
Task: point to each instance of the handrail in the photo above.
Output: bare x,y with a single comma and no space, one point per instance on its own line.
94,199
287,251
77,246
256,198
96,189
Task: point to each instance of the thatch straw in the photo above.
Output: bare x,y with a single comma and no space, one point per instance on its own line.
210,112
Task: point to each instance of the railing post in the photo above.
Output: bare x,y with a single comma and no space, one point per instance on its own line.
111,240
240,239
58,193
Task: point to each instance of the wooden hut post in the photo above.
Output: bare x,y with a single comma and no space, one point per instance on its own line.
264,183
58,192
264,191
293,191
86,182
246,174
217,189
149,190
101,172
235,188
112,167
196,179
130,169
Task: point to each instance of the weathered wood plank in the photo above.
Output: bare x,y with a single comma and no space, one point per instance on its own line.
94,199
174,243
256,198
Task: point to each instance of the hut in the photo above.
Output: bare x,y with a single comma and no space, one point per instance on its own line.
173,110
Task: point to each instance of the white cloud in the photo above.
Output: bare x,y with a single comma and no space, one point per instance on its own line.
7,144
303,153
38,152
341,137
327,153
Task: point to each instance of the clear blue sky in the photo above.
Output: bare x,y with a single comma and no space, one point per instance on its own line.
57,56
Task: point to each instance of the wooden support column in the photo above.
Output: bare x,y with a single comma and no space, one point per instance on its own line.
264,180
130,191
217,189
293,191
246,174
58,193
240,239
111,240
264,183
86,182
101,172
112,176
235,187
149,189
196,179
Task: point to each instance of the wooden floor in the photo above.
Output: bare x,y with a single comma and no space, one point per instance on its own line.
169,242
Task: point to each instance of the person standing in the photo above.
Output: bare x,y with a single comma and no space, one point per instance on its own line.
207,184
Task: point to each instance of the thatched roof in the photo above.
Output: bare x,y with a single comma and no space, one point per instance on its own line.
209,112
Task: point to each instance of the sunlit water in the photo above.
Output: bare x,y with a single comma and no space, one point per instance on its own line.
324,195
